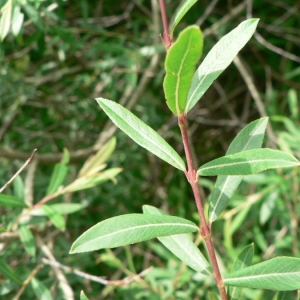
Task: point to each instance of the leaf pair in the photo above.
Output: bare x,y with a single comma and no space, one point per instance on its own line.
154,223
183,89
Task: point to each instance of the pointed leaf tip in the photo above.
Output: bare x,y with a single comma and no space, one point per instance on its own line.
141,133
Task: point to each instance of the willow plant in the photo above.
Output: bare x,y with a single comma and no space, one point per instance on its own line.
184,86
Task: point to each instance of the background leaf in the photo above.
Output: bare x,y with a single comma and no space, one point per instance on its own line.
218,59
128,229
182,246
243,260
180,64
141,133
250,137
40,290
11,201
248,162
280,273
54,215
8,272
27,239
181,12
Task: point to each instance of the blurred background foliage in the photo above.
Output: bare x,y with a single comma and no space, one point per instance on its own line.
57,56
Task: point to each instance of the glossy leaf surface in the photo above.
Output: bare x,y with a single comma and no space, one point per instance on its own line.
180,65
129,229
141,133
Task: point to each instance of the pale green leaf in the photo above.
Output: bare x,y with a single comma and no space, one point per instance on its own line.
280,273
90,181
181,13
5,22
250,137
83,296
63,208
267,207
96,162
40,290
56,218
129,229
17,20
182,246
27,239
218,59
11,201
180,64
19,188
59,174
243,260
248,162
141,133
8,272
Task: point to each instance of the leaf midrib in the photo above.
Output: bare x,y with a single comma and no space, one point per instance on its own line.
182,167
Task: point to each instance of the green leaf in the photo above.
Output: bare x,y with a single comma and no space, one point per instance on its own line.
141,133
287,295
181,13
83,296
59,174
129,229
243,260
96,162
250,137
27,239
280,273
180,65
8,272
182,246
218,59
19,188
17,20
90,181
5,22
11,201
248,162
63,208
56,218
40,290
212,296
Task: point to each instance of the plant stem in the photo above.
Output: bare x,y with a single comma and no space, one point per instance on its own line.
192,178
166,36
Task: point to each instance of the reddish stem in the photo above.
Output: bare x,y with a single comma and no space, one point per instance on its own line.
166,36
192,178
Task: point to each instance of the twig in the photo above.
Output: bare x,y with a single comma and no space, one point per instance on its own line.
27,281
61,278
18,172
125,281
276,49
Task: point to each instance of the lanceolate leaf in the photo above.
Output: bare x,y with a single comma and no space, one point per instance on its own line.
55,216
280,273
141,133
250,137
243,260
181,12
248,162
182,246
180,65
218,59
129,229
8,272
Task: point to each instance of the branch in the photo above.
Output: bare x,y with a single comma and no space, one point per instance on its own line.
18,172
